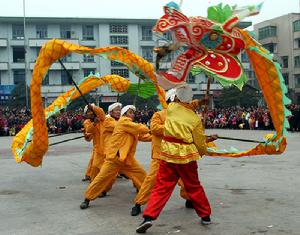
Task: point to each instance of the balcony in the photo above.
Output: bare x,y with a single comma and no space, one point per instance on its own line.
88,43
3,66
55,90
88,65
147,43
17,42
214,86
17,65
57,66
3,42
38,42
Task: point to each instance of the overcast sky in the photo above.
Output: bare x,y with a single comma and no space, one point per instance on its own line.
134,8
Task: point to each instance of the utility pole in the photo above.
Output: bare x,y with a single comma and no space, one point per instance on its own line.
25,55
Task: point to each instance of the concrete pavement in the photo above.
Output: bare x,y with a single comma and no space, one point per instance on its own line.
249,195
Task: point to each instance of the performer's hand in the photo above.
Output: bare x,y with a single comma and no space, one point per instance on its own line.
96,120
90,106
213,137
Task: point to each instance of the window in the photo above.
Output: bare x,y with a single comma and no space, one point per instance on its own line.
41,31
0,78
18,54
65,31
167,36
118,40
88,32
297,61
18,31
88,58
121,72
65,79
297,80
284,61
296,25
297,43
147,53
87,72
67,58
244,57
286,78
45,81
19,76
191,78
271,47
116,64
249,73
147,33
266,32
118,28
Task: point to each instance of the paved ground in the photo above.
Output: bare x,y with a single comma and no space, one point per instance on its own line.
250,195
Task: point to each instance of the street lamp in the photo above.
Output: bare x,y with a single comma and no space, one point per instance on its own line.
25,51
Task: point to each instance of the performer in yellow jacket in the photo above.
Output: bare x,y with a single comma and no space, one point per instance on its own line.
157,128
120,155
94,126
182,145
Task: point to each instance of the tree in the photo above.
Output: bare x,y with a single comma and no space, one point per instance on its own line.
79,102
18,96
232,96
150,103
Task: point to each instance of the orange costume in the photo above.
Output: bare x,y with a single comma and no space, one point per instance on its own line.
88,137
96,130
120,156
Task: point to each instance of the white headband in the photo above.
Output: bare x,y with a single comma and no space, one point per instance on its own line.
113,106
126,108
184,93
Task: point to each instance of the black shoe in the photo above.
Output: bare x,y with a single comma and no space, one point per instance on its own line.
205,220
136,210
104,194
87,178
189,204
85,204
147,223
123,176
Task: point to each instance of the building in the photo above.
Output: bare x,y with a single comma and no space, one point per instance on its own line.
281,36
133,34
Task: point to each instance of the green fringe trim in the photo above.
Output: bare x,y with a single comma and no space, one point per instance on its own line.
143,90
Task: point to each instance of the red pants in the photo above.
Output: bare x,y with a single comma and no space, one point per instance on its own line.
167,177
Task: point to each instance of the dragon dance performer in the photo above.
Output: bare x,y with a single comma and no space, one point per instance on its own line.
120,155
109,123
182,145
157,128
93,126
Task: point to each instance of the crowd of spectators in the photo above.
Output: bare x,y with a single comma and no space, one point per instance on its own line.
13,120
254,118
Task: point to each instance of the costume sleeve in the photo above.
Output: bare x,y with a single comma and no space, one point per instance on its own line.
88,126
109,124
99,112
135,128
145,137
200,139
195,104
157,126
